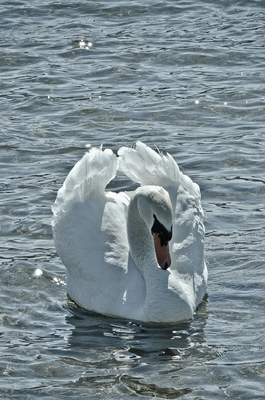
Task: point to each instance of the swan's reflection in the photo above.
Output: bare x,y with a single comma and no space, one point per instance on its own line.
133,339
129,356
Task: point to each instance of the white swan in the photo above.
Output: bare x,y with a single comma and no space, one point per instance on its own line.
117,247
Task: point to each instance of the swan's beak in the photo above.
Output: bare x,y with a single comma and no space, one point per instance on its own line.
162,252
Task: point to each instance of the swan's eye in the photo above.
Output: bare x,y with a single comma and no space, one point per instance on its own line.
164,235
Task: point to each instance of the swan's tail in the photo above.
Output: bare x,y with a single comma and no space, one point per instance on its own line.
90,175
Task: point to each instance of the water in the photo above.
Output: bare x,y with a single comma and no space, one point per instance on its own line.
187,77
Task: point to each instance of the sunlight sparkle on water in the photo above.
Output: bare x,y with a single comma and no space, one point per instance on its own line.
37,273
85,45
59,281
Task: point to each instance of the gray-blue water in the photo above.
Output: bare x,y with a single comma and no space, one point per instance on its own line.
185,76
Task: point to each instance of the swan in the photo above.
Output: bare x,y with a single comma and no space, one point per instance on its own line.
134,254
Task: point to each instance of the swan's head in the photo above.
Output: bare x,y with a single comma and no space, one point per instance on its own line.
155,209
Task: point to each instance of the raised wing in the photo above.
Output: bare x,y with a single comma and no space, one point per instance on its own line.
89,176
147,167
88,223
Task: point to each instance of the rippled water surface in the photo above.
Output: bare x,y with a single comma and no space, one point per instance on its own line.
187,77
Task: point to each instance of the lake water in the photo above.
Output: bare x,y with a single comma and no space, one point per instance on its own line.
185,76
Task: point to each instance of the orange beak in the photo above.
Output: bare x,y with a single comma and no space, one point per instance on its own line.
162,252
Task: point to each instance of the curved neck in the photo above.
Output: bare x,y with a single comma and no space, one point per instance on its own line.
140,239
142,251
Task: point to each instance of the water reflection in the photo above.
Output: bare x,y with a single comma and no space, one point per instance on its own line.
132,357
146,337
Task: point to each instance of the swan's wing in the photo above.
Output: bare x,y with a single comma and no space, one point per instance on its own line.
143,165
147,167
89,224
89,175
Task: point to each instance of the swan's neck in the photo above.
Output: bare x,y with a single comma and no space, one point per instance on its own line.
140,240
